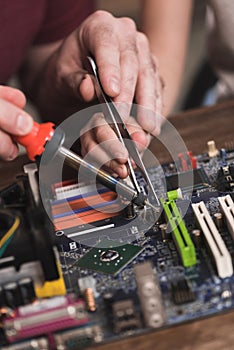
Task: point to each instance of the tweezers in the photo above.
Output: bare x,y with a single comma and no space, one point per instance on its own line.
114,119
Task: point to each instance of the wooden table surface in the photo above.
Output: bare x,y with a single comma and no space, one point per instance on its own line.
196,127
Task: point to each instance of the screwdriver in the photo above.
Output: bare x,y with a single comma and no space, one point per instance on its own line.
45,138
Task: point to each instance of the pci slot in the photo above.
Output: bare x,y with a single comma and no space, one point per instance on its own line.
215,242
180,234
227,206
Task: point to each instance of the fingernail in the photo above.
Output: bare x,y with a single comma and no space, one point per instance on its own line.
13,153
24,124
114,85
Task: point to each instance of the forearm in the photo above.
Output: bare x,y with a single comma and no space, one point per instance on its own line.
167,24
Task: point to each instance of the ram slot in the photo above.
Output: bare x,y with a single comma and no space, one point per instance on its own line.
180,234
227,206
215,242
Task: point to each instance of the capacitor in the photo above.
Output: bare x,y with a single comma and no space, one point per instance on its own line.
197,237
163,228
218,219
108,299
129,211
12,295
212,149
2,298
27,291
90,299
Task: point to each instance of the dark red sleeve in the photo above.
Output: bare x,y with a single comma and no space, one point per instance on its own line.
61,18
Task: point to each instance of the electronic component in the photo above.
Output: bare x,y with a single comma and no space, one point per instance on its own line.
110,260
78,338
187,161
114,292
87,282
2,297
125,317
222,257
212,149
183,180
227,207
84,208
27,245
197,238
218,220
34,344
13,296
90,299
44,317
27,290
150,296
180,234
181,292
225,178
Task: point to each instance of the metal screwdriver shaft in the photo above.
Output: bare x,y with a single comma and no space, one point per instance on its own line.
44,140
75,161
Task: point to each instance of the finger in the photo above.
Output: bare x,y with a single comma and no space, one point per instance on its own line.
14,120
128,62
137,134
87,89
94,153
8,150
104,135
101,37
13,95
146,91
159,94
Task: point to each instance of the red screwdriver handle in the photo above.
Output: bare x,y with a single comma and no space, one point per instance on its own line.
35,141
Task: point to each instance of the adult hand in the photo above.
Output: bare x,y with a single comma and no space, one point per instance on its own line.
13,120
126,68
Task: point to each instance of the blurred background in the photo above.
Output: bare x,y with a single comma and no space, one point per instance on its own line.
196,47
195,53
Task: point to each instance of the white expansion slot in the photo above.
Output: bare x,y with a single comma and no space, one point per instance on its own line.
227,206
215,242
66,192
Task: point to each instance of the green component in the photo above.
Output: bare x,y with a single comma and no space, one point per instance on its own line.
180,234
175,194
109,257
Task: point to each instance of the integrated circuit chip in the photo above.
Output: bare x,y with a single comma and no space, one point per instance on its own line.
109,257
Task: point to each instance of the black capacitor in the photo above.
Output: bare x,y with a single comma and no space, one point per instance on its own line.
2,297
197,238
129,211
27,291
163,228
108,299
12,295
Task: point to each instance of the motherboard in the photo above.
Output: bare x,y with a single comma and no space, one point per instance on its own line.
103,271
